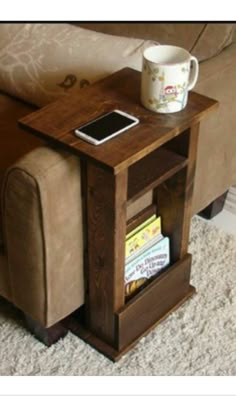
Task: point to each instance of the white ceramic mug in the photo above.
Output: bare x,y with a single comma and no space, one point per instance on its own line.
167,77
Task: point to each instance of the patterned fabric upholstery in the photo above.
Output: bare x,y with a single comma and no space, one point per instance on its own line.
40,62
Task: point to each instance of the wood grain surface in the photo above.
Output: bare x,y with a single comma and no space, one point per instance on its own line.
152,170
121,90
106,230
153,302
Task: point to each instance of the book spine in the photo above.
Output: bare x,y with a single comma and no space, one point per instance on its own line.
149,262
142,237
140,227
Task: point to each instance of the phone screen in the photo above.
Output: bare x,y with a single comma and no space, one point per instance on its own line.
106,125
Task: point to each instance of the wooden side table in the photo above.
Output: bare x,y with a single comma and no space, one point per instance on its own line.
159,154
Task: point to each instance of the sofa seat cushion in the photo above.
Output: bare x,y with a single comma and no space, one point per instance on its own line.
40,62
14,142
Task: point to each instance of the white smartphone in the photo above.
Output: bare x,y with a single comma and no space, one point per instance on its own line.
106,127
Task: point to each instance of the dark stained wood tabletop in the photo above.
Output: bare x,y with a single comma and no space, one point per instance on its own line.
121,90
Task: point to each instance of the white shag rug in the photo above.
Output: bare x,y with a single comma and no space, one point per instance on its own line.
198,339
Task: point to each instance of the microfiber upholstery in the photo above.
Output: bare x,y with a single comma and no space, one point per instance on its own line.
14,142
205,40
42,217
41,62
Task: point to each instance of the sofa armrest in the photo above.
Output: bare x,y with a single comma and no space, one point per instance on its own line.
42,221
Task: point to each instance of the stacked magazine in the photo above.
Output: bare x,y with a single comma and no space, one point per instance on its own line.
146,253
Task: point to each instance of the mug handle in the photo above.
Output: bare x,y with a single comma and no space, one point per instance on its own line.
194,73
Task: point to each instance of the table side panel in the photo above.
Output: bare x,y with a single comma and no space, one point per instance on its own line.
106,230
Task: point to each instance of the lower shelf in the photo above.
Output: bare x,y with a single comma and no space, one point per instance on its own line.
141,314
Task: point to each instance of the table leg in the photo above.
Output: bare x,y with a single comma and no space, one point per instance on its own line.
106,196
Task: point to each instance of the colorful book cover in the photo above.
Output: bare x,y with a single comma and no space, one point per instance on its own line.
149,262
143,248
142,237
139,227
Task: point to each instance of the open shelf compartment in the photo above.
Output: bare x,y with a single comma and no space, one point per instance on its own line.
152,170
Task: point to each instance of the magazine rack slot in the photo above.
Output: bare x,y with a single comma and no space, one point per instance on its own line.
152,170
154,302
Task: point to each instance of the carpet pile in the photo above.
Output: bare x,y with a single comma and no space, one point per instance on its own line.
198,339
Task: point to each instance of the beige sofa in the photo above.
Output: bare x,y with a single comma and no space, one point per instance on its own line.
41,257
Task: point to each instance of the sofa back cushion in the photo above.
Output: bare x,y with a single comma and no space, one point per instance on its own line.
202,39
183,34
213,39
40,62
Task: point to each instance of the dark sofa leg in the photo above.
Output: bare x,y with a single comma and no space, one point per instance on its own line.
48,336
214,208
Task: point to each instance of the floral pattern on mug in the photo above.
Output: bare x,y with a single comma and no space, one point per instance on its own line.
169,95
151,72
